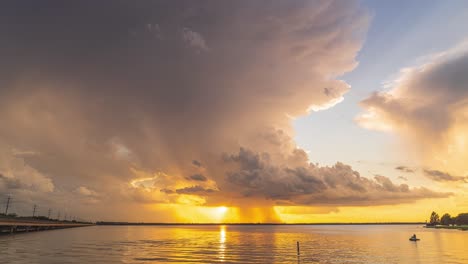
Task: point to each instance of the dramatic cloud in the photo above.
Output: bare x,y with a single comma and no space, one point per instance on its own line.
131,97
308,184
443,176
428,106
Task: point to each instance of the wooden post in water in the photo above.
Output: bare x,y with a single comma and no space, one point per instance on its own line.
298,251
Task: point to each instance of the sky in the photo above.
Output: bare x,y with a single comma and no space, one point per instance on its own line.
223,111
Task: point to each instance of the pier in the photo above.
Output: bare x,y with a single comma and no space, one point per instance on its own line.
14,227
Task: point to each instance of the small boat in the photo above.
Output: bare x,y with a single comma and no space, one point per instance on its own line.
414,239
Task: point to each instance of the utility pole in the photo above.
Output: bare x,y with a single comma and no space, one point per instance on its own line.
34,210
7,205
48,214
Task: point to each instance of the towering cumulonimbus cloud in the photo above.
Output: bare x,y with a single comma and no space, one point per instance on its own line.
151,101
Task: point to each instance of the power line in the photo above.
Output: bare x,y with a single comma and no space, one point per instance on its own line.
14,206
8,204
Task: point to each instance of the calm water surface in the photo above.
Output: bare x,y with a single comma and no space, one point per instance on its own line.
237,244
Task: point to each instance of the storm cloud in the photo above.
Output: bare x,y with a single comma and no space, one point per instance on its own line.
131,97
310,184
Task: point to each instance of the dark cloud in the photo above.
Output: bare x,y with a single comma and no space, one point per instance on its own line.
404,169
94,71
195,190
309,184
196,177
440,176
192,190
197,163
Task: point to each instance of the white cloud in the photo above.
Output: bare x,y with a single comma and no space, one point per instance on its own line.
428,107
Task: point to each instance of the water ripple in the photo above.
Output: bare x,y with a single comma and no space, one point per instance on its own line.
236,244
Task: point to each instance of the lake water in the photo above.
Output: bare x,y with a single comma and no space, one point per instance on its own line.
237,244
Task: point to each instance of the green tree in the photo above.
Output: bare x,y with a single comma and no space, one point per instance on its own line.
434,220
462,219
446,219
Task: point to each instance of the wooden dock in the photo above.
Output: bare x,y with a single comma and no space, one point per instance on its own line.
13,227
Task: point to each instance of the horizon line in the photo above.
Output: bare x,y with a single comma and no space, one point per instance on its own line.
214,223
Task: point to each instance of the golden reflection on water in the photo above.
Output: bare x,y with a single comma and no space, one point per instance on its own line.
237,244
222,242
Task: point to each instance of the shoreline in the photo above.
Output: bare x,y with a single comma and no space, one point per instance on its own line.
105,223
461,227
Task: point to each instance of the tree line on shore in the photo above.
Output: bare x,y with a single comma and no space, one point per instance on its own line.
447,219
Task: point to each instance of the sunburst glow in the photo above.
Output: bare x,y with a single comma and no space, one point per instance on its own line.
222,209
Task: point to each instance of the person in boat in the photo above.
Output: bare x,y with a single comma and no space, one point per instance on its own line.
414,236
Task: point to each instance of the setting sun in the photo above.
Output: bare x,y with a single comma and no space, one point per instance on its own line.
222,209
